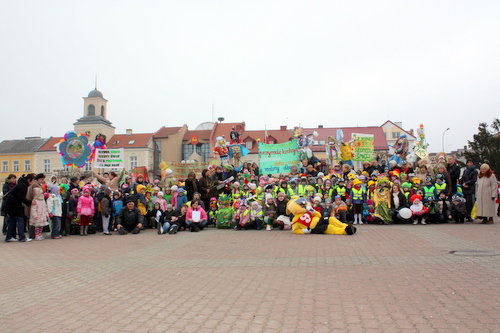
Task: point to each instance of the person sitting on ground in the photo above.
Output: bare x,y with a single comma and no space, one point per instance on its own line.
196,217
129,219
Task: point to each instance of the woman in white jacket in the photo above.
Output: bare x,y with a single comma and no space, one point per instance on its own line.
486,194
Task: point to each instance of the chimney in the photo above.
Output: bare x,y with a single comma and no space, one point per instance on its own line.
283,128
320,126
128,132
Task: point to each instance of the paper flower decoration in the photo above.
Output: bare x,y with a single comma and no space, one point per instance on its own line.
74,149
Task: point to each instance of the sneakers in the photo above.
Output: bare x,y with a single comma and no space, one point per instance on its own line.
423,222
360,222
355,222
12,240
159,229
122,231
39,238
173,229
416,222
107,233
57,237
269,228
136,230
26,239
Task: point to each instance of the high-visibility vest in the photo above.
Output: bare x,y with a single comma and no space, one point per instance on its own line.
440,187
341,191
429,191
357,194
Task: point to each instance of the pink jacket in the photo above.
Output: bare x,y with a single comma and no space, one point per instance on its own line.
163,204
203,214
85,206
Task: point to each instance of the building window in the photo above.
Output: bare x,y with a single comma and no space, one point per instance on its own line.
5,166
46,165
131,142
15,166
91,110
102,110
133,162
396,135
27,165
248,145
271,142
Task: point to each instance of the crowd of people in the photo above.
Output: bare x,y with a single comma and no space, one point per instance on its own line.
245,199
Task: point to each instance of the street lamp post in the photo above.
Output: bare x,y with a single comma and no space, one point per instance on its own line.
442,139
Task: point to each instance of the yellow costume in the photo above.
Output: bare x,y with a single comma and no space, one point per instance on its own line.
308,221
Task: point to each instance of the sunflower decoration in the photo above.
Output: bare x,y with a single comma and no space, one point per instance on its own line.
74,149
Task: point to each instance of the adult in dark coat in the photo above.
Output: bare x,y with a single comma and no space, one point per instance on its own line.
15,210
191,185
9,184
454,171
397,204
206,187
468,182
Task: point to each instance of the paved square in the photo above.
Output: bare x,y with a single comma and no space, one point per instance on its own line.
399,278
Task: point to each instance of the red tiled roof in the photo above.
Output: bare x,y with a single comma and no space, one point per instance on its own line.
129,141
202,135
164,132
50,144
225,129
285,134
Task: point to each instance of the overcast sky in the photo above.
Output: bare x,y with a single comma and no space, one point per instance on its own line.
334,63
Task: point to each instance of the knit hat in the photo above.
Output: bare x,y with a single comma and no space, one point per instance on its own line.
161,194
174,188
268,196
321,175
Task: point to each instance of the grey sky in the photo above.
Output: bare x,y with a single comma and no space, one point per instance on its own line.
335,63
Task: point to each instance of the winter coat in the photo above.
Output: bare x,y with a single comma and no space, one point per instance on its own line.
486,193
16,198
469,178
39,214
203,214
85,206
129,218
54,204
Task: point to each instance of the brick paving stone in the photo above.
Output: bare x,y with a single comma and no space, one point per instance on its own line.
383,279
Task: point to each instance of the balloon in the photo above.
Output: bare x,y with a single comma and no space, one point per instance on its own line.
405,213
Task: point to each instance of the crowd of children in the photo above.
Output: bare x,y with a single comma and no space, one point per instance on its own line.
377,194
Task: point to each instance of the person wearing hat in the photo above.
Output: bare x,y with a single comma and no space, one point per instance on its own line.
429,189
419,211
270,209
129,219
339,209
181,197
486,193
457,209
358,197
54,207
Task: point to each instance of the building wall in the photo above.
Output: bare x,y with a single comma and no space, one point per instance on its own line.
9,158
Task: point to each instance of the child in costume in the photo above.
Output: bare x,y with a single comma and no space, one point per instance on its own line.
443,207
382,201
225,213
432,215
308,221
418,210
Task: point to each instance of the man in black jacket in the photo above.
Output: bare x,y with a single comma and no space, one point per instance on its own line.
468,181
129,219
454,171
15,210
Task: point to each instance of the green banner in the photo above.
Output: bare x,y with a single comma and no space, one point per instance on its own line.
363,147
278,158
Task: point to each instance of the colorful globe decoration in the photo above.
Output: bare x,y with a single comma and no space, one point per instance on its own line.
74,149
